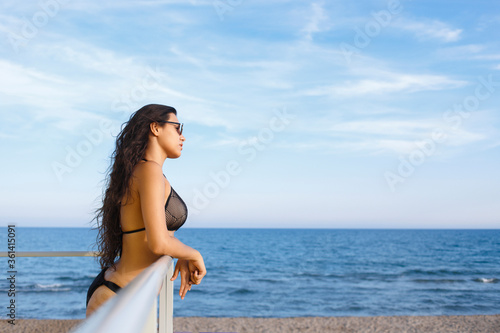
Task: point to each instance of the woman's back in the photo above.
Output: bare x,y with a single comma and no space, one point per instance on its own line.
136,253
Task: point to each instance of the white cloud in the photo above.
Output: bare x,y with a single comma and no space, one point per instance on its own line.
86,56
494,145
461,50
317,21
384,127
469,51
386,136
488,57
23,85
130,4
390,83
488,20
7,136
64,95
430,29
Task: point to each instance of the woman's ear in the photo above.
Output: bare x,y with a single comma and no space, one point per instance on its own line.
154,128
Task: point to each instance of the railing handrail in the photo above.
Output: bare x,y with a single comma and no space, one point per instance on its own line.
133,309
52,254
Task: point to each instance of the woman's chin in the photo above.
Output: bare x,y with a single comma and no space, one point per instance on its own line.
174,156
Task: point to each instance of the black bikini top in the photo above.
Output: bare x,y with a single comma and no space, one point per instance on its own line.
175,212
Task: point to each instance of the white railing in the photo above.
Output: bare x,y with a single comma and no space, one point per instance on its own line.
134,308
53,254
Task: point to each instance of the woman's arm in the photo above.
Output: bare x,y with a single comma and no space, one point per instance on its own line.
151,188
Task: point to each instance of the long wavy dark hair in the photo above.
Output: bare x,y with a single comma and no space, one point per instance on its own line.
131,144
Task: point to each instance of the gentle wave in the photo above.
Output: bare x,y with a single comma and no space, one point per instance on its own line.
268,281
72,278
41,287
438,281
44,286
242,291
354,276
486,280
46,290
438,272
374,276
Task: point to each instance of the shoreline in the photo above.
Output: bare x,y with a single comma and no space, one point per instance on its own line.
396,324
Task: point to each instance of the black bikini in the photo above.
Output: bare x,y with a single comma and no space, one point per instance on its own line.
99,281
175,212
175,216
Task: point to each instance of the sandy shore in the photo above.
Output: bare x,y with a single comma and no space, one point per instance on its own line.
441,324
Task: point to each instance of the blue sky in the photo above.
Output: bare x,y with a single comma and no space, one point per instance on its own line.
320,114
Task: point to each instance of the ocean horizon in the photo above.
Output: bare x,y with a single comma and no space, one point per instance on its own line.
283,272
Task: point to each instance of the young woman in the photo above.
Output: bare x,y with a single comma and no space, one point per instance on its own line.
141,210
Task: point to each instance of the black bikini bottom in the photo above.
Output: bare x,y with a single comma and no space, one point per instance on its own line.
99,281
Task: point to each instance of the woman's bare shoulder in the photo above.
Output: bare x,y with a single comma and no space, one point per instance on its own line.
148,171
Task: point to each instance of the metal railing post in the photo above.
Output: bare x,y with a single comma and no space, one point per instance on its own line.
166,324
152,323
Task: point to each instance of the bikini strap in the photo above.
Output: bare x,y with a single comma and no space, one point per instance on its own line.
111,285
132,231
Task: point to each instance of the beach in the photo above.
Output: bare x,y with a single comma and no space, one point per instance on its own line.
398,324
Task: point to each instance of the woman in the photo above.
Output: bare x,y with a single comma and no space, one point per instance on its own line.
140,210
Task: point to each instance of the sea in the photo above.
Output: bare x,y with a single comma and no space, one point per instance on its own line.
282,273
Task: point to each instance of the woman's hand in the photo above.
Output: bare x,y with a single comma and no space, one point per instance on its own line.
192,272
182,266
197,270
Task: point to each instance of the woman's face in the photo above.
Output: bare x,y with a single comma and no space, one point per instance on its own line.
170,139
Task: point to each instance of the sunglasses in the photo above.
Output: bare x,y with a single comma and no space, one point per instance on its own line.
179,128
